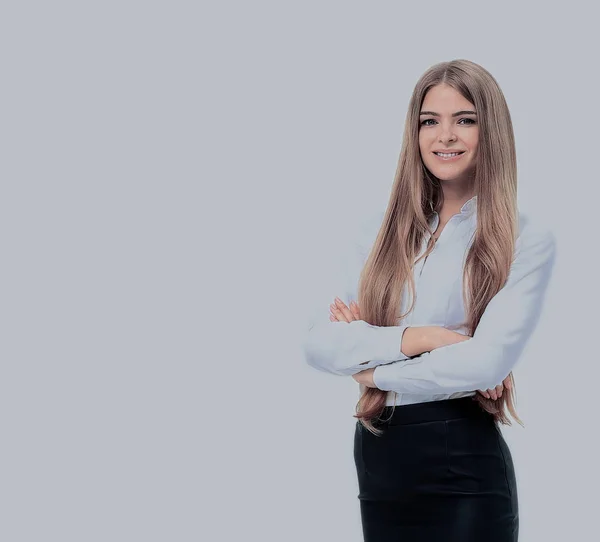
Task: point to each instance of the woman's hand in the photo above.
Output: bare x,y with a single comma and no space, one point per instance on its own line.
341,313
496,392
365,377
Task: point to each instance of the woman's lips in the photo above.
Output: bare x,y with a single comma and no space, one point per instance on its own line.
450,158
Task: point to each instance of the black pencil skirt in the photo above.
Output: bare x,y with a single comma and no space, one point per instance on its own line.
440,472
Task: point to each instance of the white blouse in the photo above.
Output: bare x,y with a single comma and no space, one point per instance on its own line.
453,371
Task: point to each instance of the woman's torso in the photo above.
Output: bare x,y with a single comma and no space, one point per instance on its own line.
438,286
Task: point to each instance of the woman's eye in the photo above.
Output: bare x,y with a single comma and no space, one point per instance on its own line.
424,123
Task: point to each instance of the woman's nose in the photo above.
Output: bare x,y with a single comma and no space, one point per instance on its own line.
447,135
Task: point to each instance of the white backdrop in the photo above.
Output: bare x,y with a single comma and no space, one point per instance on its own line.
177,179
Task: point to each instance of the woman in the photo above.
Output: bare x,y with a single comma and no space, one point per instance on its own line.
431,460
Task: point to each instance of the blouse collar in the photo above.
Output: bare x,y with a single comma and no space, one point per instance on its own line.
468,208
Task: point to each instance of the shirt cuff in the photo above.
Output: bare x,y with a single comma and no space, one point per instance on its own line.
391,342
389,345
379,377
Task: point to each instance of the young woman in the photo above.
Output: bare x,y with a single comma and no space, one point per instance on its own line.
437,299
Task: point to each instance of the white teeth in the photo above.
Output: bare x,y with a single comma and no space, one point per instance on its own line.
447,155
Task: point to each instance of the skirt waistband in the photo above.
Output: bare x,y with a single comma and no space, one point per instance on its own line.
431,411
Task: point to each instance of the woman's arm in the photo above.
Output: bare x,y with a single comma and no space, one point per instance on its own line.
346,348
506,325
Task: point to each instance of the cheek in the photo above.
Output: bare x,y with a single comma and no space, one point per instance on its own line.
474,150
473,140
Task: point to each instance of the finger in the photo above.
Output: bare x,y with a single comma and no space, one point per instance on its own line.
484,393
332,317
493,394
344,309
355,311
499,389
507,382
339,315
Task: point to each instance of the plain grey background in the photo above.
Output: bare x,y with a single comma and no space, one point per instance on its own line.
177,179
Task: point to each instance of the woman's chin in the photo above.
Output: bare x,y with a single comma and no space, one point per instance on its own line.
449,175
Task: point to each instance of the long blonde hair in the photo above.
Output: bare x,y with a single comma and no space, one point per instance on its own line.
416,194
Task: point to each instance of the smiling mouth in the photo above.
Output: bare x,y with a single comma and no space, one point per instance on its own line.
449,157
448,154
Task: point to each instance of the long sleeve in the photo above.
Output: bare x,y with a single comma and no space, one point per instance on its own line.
346,348
509,320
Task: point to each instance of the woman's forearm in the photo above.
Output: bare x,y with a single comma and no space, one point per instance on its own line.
416,340
419,339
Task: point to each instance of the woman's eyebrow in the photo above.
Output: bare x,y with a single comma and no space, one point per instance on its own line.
453,114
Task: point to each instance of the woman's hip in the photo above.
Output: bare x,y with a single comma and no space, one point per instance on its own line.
440,448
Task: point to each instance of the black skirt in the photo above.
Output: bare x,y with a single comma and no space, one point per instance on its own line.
440,472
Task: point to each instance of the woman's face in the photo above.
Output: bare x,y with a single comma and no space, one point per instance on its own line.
446,125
